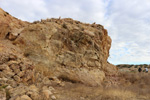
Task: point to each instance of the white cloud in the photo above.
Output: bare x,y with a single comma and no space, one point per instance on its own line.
84,10
29,10
129,24
127,21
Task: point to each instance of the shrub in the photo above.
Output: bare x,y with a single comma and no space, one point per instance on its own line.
64,25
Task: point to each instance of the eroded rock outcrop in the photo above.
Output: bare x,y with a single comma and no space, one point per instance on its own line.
13,65
70,50
10,26
18,79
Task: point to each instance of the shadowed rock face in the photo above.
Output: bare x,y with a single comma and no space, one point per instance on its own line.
71,50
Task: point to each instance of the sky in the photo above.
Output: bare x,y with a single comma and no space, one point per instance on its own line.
127,22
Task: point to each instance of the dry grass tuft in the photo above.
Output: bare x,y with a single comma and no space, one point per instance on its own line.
117,94
133,86
45,71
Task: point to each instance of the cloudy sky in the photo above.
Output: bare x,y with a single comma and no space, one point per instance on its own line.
127,22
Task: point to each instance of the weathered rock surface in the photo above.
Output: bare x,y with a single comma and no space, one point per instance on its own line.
10,26
13,65
56,49
2,95
72,50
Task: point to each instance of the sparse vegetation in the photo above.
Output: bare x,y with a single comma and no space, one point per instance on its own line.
3,86
136,66
43,70
64,25
131,86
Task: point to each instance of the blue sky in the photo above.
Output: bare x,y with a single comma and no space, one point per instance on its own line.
127,22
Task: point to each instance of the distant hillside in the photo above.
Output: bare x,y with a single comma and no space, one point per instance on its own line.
131,65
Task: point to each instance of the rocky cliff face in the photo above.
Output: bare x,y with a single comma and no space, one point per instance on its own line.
70,50
9,24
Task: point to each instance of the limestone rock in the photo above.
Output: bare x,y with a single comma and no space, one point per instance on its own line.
25,97
33,88
8,87
9,25
34,95
12,63
63,50
20,90
53,97
69,48
2,95
78,51
17,78
47,93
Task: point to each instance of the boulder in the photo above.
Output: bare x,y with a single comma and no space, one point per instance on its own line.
25,97
53,97
2,95
47,93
